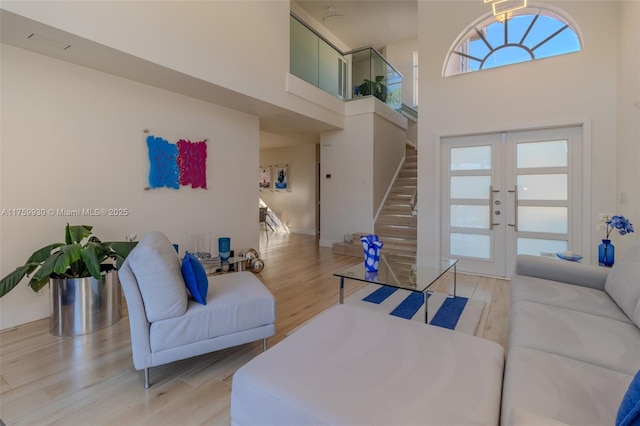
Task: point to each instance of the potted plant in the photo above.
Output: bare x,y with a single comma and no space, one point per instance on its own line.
80,272
377,88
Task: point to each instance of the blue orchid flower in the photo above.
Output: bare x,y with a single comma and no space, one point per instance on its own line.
620,223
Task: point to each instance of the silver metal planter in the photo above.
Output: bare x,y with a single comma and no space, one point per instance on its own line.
84,305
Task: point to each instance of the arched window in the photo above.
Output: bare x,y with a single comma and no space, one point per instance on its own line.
522,35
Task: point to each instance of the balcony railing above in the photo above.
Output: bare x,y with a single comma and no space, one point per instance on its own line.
372,75
345,75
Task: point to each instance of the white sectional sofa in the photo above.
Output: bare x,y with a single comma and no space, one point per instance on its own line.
574,341
574,348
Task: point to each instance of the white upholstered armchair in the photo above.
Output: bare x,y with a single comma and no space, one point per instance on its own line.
168,325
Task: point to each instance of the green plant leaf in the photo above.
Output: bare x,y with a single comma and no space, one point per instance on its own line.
42,254
121,248
93,255
41,277
68,255
76,233
13,279
38,285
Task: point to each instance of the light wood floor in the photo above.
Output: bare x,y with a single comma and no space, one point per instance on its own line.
91,380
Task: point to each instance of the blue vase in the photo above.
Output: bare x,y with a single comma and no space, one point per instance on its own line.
371,247
606,253
224,248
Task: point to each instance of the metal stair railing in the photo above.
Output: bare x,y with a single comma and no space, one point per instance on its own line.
414,202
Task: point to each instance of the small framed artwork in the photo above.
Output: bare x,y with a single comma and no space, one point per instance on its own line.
264,177
175,162
281,178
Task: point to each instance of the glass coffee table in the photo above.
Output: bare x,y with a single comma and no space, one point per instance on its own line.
413,273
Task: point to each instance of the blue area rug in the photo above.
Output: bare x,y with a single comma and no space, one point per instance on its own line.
455,313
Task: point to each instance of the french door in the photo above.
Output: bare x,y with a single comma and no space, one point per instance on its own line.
510,193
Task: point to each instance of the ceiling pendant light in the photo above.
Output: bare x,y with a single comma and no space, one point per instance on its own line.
503,9
330,16
504,17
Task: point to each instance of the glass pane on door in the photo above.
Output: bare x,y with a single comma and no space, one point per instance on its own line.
471,158
536,246
469,216
542,154
470,245
552,220
470,187
543,187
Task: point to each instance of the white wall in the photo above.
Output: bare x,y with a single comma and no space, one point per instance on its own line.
213,40
354,158
579,87
238,45
297,206
72,138
628,172
347,196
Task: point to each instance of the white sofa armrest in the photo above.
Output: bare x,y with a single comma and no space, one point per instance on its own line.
562,271
138,323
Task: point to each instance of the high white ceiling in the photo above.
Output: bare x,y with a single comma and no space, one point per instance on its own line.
361,23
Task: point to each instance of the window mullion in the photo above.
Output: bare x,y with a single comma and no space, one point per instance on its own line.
526,33
549,38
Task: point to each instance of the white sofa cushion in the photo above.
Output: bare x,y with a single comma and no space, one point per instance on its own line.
353,366
157,269
589,338
623,284
235,302
561,388
575,297
522,417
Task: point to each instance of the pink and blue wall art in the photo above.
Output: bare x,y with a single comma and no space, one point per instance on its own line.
173,165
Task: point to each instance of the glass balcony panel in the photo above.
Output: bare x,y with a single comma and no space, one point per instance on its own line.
361,72
543,187
470,187
469,216
318,62
303,61
552,220
470,245
329,62
394,89
471,158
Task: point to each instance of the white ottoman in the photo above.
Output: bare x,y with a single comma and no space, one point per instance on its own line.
352,366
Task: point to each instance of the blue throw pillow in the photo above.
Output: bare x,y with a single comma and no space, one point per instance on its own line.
195,277
629,411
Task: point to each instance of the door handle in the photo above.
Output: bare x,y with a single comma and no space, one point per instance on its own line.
515,203
491,222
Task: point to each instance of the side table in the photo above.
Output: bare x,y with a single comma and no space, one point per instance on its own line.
214,266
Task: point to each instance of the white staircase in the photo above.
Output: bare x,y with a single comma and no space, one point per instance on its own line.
396,226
